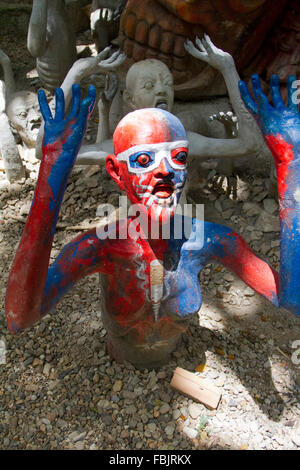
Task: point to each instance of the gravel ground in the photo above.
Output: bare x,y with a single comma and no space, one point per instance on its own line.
60,390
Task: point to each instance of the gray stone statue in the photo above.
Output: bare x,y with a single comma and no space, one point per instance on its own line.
52,41
19,115
24,116
149,83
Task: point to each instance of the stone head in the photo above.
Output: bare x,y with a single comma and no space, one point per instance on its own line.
149,84
24,116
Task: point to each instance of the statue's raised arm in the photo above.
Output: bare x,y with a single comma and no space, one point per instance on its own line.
30,280
248,139
280,126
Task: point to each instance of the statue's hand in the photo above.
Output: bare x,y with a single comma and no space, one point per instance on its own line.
64,135
279,124
111,62
102,62
109,91
209,53
229,120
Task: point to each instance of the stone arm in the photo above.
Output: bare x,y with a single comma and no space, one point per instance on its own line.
34,288
37,30
102,63
104,105
213,242
229,249
95,154
248,140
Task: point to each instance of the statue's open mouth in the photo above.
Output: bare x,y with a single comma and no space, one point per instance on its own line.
36,125
162,104
163,190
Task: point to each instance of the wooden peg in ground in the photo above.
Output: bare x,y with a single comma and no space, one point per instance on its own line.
196,388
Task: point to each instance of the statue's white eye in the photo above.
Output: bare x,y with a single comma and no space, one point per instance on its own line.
23,115
168,83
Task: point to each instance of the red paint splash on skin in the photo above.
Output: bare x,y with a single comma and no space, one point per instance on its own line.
284,155
28,273
253,271
129,132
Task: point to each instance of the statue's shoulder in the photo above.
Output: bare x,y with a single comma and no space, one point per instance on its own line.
208,234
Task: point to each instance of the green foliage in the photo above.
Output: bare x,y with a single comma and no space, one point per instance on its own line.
203,420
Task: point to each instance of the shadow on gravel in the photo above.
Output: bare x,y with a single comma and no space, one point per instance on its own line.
257,378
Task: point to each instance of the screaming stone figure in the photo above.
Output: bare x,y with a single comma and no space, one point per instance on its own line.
19,115
24,115
149,83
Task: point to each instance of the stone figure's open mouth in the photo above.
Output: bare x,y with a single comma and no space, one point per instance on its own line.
162,104
36,125
163,190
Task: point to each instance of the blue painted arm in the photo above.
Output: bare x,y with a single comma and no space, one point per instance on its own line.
280,126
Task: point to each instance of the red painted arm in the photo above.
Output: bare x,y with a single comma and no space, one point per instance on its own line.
28,275
229,249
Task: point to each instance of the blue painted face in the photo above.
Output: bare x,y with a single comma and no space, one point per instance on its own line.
146,157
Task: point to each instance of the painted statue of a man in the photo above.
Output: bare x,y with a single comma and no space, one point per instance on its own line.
149,284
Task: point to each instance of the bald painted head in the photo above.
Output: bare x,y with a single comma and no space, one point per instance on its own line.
150,160
149,84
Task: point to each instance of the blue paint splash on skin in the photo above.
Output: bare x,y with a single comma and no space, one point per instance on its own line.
60,279
290,265
192,256
14,328
176,128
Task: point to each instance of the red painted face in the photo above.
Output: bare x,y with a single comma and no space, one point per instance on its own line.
151,147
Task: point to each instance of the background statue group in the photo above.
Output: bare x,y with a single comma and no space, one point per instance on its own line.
259,35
